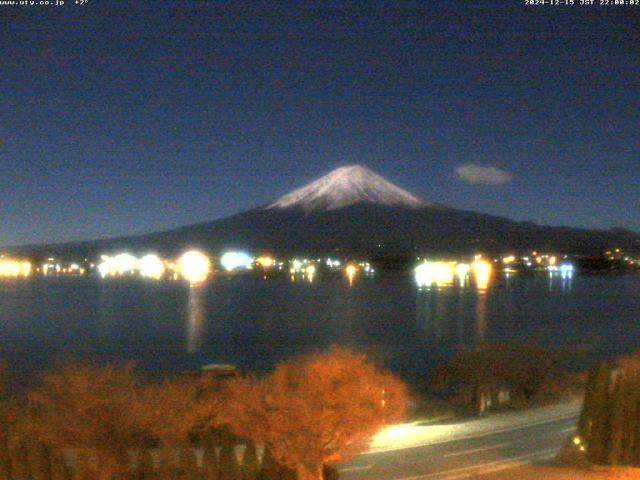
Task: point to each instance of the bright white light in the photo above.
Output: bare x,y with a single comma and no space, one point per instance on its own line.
423,274
566,270
194,266
105,267
439,273
462,270
366,266
151,267
121,264
118,265
233,260
124,263
444,272
332,263
14,268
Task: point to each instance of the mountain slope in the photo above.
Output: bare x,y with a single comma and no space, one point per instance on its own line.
347,186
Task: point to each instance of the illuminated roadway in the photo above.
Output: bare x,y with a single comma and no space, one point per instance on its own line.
477,448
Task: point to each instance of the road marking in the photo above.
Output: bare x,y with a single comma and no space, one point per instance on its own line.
465,472
355,469
474,450
567,430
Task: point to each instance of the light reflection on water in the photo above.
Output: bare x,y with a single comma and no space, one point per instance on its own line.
254,323
443,316
196,317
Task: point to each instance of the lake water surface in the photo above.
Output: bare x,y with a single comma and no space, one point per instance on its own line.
253,323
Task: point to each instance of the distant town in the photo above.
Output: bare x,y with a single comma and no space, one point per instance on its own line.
195,266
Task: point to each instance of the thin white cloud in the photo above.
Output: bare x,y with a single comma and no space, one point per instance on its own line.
482,175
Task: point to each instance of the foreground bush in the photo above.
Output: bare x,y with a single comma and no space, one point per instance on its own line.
85,422
317,409
89,411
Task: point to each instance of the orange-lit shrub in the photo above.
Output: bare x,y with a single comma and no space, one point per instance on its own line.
170,411
87,410
106,423
623,474
317,409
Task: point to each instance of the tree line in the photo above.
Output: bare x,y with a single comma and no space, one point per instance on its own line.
109,422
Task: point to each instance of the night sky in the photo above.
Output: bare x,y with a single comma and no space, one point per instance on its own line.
128,117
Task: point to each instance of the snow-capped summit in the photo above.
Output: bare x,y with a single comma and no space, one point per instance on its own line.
346,186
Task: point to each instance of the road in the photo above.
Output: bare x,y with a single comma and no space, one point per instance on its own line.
471,449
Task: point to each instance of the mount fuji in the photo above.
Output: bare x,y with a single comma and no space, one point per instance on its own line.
354,211
347,186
